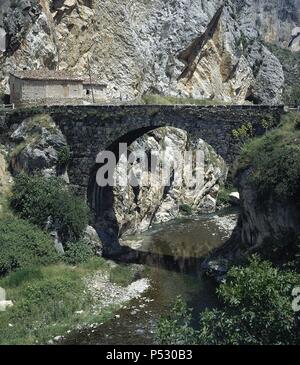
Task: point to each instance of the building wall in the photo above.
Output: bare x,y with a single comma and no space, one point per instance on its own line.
35,90
64,89
99,92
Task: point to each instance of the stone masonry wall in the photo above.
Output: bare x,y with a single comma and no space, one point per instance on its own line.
92,129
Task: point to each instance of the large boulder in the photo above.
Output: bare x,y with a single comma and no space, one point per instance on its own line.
91,236
39,147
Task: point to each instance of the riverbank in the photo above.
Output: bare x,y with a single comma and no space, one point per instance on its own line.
171,255
50,302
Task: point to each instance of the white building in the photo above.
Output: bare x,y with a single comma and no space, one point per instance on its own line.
50,86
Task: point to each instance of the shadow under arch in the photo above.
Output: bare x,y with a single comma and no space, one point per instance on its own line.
100,199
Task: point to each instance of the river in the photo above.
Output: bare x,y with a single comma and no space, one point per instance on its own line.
171,255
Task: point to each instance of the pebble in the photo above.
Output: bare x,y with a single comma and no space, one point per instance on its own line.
58,338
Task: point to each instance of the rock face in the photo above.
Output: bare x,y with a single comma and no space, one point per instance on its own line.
135,208
273,20
201,49
272,220
268,227
39,146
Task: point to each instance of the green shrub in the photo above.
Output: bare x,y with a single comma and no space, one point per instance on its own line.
297,123
63,156
224,194
257,310
78,252
268,122
37,198
244,133
274,160
175,328
186,209
23,245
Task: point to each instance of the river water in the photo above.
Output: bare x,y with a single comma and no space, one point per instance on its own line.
171,255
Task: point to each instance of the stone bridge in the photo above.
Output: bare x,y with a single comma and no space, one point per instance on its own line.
91,129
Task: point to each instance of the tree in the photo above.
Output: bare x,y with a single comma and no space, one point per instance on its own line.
257,310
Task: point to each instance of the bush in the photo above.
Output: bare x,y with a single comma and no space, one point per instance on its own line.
23,245
243,133
175,328
224,195
37,198
78,252
63,156
257,310
186,209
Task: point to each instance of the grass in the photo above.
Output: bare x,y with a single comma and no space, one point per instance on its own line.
224,194
46,300
153,99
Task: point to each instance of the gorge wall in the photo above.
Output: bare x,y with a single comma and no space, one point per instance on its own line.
187,48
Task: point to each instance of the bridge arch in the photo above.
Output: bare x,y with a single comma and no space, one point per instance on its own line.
102,200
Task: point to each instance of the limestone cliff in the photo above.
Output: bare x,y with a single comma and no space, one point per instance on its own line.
194,48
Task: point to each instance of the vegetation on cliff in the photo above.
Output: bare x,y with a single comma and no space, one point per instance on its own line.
274,160
37,198
155,99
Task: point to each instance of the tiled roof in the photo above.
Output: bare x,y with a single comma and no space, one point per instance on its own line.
45,74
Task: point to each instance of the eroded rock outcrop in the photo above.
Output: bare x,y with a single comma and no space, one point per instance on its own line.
268,220
180,48
39,147
272,20
268,226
